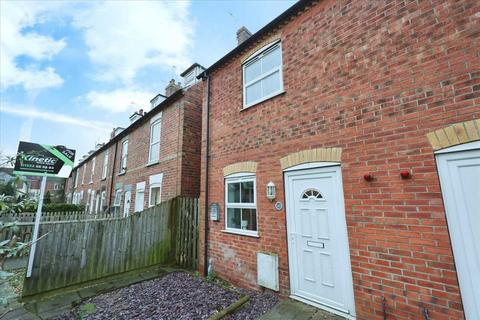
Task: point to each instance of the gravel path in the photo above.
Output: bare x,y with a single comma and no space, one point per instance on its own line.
177,295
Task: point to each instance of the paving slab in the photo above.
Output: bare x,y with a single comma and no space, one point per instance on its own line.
295,310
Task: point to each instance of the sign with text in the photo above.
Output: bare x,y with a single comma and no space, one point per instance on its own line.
40,159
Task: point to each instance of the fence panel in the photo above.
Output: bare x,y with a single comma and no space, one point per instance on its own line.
82,250
26,221
187,234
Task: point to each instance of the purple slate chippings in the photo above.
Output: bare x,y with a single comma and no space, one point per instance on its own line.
177,295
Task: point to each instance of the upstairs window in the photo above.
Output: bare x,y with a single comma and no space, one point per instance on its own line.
105,165
93,170
155,133
76,177
123,160
262,75
83,174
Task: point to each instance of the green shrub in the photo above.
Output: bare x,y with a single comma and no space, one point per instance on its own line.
62,207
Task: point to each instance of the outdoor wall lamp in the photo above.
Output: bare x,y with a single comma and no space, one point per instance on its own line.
271,191
368,177
405,174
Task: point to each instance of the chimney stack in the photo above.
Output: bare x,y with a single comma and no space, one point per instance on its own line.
172,87
243,34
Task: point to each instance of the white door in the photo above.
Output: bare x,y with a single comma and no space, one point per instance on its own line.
92,199
460,180
97,203
126,204
319,258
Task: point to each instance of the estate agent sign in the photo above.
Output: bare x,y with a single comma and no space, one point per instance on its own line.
40,159
47,161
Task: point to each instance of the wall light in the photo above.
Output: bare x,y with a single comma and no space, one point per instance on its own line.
271,191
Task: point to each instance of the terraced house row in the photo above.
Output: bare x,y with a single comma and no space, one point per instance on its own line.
340,159
157,157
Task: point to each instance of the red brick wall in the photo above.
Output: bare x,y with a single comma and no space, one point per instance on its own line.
191,142
178,119
372,78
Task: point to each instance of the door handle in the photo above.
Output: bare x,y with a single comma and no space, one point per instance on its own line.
316,244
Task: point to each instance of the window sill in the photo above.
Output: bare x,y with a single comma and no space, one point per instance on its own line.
263,100
152,163
240,233
121,173
103,179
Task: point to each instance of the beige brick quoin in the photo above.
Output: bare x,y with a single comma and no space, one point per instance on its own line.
311,155
262,44
247,166
457,133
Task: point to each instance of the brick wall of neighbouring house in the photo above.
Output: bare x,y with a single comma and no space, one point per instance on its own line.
372,78
191,146
178,120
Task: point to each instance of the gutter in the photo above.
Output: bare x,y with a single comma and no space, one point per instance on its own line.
207,156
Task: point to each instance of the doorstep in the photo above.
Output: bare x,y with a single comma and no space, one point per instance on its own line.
296,310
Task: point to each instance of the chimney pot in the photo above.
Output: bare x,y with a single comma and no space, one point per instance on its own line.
243,34
172,87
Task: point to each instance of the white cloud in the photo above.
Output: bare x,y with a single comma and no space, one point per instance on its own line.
120,100
123,37
15,42
32,113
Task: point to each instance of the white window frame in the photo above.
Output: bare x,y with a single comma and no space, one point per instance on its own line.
92,173
97,202
118,196
257,57
83,173
157,120
76,178
190,77
154,182
123,159
105,165
237,178
139,200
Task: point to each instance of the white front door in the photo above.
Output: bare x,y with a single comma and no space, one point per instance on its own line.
97,203
126,204
460,180
319,258
92,199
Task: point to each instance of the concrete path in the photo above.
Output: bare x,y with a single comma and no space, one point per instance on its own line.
58,302
295,310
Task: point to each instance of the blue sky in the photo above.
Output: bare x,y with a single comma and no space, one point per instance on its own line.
71,71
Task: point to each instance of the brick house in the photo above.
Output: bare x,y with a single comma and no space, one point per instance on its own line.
55,187
351,114
157,157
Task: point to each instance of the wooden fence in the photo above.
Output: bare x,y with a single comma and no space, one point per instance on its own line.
25,221
83,250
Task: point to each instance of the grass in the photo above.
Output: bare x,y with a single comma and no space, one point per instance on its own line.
16,281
